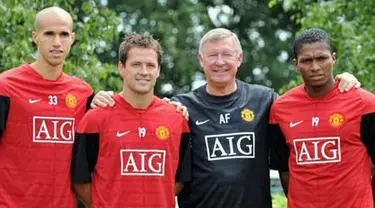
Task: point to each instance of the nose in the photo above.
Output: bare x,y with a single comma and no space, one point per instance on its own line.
219,60
315,66
56,41
143,70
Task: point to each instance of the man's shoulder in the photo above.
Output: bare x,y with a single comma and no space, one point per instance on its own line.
14,72
256,91
293,94
255,87
367,98
187,97
77,82
166,109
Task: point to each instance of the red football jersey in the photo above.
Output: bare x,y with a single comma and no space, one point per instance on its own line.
329,162
37,139
139,152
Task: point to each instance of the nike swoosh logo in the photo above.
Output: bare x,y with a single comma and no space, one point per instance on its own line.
31,101
198,123
120,134
293,124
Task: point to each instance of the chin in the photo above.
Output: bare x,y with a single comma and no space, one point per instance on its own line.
223,81
142,91
318,84
55,63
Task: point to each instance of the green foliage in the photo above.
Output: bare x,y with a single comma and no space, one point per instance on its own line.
351,25
94,26
279,201
261,30
181,24
178,25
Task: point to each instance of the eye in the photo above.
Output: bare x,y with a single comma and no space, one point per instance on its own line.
136,64
49,33
151,65
65,34
321,58
227,54
305,61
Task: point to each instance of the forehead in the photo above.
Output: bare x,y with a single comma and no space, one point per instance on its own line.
310,49
55,23
142,55
224,44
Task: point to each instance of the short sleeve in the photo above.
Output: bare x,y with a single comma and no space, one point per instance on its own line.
279,150
85,148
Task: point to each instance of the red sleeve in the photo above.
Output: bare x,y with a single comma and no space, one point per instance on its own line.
279,150
89,122
86,147
273,119
185,127
369,101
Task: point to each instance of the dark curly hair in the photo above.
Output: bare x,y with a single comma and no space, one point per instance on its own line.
309,36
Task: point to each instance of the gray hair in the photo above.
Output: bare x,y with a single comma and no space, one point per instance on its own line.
219,34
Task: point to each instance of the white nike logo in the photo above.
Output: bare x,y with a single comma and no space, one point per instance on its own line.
31,101
120,134
293,124
201,122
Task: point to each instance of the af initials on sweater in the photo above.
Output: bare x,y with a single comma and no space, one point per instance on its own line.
330,141
38,118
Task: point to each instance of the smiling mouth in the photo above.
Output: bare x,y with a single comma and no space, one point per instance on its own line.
144,80
221,70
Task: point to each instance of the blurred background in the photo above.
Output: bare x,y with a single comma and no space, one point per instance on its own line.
266,29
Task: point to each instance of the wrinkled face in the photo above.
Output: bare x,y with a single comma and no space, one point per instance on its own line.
54,38
220,61
315,63
141,70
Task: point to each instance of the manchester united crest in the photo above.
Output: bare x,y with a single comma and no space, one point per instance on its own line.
162,133
247,115
336,120
70,101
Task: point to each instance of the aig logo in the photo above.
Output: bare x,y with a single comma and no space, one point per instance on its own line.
230,146
317,150
142,162
53,129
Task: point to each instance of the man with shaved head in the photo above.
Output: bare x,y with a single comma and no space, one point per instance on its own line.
40,107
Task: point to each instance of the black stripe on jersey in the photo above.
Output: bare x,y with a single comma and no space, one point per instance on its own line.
368,133
89,100
279,151
4,111
85,156
183,173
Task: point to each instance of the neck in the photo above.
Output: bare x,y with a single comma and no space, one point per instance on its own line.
321,91
218,90
47,71
136,100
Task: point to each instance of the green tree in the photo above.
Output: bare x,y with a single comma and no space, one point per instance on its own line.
351,25
264,33
178,25
94,25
